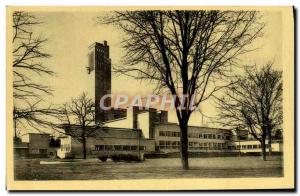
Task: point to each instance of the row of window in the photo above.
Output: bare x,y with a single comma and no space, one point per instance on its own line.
192,145
118,148
204,146
169,133
192,148
192,135
255,146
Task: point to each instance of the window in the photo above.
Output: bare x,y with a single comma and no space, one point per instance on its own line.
118,147
35,151
215,146
142,147
134,148
205,136
209,136
99,147
255,146
214,136
243,146
219,146
223,146
108,147
194,135
200,135
231,147
162,143
126,147
249,146
162,133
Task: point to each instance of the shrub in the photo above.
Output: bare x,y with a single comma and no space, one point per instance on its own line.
103,158
70,156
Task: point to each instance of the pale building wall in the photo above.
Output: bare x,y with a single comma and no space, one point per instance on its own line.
65,147
127,122
143,123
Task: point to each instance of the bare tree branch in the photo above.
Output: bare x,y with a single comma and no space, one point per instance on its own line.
254,103
28,70
187,53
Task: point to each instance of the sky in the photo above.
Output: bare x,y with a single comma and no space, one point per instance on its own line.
70,33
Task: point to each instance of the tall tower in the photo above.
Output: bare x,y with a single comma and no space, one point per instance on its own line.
100,65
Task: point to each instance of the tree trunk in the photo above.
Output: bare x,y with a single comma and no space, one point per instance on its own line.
184,146
15,127
263,149
270,142
84,147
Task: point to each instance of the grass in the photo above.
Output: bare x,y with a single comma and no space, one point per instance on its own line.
92,169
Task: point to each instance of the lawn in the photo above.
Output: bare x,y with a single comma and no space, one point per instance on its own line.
165,168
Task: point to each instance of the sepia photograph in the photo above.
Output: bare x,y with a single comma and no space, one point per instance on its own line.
150,98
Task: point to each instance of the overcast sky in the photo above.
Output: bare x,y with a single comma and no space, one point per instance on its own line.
70,34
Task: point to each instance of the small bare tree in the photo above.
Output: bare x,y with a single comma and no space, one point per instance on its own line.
77,118
254,103
186,53
28,70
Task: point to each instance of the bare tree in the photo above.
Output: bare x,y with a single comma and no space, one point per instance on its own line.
186,53
28,68
77,118
254,103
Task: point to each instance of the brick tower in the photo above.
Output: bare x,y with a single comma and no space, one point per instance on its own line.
100,65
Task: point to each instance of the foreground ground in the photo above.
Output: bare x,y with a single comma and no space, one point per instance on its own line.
92,169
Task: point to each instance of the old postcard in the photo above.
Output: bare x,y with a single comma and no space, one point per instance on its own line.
150,98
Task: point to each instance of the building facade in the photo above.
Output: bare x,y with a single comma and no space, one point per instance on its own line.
34,145
134,130
201,139
106,141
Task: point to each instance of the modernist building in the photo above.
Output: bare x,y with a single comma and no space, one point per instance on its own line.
134,130
144,130
34,145
103,139
149,132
